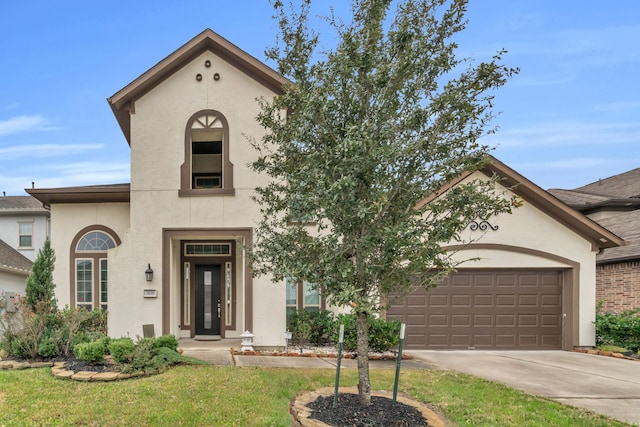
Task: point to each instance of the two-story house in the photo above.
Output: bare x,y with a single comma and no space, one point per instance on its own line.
168,249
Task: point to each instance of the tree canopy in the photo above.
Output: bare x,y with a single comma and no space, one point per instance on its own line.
360,145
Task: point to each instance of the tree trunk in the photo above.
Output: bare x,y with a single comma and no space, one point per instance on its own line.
364,384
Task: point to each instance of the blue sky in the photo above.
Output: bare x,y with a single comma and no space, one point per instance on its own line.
569,118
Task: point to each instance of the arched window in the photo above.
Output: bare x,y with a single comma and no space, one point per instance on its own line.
90,275
206,169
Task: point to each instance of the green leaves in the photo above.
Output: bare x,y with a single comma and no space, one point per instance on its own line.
376,128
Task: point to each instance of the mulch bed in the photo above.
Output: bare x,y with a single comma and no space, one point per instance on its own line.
383,412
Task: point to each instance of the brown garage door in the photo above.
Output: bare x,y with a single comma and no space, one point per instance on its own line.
485,310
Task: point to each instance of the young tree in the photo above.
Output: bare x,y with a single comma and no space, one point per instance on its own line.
40,287
361,137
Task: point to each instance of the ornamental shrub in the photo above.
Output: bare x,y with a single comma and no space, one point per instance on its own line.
122,350
384,335
619,329
167,341
91,352
310,327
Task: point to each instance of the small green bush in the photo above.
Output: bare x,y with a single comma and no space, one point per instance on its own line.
48,348
91,352
143,356
166,341
310,327
619,329
384,335
122,350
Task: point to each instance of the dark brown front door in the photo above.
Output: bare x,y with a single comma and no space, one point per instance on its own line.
207,300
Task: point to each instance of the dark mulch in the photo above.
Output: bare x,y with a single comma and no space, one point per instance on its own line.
632,354
383,412
77,365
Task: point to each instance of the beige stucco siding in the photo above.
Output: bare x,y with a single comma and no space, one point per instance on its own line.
67,220
158,129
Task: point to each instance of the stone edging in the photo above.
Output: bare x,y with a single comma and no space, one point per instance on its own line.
234,352
300,413
605,353
59,371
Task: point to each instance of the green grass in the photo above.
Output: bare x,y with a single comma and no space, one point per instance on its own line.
228,396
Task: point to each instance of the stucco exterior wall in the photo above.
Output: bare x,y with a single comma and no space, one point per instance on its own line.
529,238
158,129
12,282
67,220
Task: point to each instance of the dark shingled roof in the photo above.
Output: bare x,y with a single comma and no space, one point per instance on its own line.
20,204
619,195
619,186
627,226
577,198
13,260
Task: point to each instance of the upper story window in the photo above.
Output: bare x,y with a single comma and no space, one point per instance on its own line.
206,169
25,235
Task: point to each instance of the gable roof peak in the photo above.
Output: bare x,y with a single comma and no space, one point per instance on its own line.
122,101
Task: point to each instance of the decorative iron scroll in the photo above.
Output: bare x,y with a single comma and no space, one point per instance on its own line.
481,224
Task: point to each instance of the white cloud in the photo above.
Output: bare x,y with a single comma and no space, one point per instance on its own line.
88,173
22,124
566,133
46,150
65,175
617,107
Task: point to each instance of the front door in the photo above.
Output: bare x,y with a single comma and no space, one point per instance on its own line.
207,300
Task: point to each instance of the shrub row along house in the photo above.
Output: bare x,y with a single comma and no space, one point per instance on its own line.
168,249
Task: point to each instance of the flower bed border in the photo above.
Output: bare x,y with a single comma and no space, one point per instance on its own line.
311,353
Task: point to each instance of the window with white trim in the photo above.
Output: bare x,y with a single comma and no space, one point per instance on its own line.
25,235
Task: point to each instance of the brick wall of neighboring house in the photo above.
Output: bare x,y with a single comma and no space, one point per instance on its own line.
618,285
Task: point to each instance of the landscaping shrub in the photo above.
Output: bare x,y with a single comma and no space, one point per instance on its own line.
310,327
166,341
91,352
122,350
620,329
384,335
168,357
143,356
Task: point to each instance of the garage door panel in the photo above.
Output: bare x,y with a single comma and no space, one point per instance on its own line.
461,300
485,309
438,301
506,300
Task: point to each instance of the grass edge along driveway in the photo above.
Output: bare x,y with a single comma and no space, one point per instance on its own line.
232,396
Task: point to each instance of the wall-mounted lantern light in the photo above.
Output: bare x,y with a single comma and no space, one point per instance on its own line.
148,273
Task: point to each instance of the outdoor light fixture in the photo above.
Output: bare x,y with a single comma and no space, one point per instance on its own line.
148,273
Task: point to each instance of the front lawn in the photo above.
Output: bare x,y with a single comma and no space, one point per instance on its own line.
230,396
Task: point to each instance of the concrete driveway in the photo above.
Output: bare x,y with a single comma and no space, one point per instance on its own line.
606,385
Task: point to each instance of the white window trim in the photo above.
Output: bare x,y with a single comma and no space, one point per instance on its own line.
20,234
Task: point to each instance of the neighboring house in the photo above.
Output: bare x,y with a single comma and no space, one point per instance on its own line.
24,226
168,250
14,270
614,203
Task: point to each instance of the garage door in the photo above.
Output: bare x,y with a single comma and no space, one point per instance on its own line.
485,310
